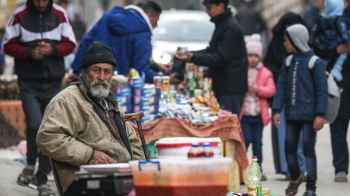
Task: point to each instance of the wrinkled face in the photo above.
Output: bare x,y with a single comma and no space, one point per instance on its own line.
288,45
99,79
41,5
214,9
153,18
253,60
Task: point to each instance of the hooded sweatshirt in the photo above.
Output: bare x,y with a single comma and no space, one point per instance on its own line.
128,32
302,91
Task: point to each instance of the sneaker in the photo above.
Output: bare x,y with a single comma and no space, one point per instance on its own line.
293,186
45,190
341,177
310,193
26,176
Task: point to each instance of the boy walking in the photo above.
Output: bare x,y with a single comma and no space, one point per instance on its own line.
302,91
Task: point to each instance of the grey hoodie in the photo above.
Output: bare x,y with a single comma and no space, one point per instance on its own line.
299,36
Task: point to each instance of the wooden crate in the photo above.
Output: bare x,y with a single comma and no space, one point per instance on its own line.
13,112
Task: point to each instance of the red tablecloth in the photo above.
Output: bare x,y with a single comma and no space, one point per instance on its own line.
225,127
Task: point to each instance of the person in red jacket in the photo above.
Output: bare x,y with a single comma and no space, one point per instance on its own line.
255,110
38,36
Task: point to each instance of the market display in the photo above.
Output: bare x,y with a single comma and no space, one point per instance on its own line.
193,100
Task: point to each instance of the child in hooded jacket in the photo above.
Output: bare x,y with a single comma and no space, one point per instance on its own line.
255,110
302,92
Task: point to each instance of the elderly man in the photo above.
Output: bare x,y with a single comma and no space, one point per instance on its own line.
82,124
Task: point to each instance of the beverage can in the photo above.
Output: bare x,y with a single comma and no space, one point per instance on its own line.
165,84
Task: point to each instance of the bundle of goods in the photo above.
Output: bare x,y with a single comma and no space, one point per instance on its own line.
197,114
163,100
138,97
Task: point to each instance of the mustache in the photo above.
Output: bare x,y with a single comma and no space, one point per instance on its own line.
104,84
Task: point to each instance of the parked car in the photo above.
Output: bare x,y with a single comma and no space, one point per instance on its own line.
180,28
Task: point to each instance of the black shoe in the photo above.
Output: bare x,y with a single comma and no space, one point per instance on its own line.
26,176
310,193
293,186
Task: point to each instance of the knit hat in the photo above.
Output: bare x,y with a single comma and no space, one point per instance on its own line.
97,53
254,45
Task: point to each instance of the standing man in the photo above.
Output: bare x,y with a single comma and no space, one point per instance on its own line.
226,57
339,128
128,32
38,36
82,124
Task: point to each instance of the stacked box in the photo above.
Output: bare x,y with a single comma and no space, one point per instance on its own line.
136,86
123,98
149,102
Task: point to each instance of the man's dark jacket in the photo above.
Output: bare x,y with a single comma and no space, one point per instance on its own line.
226,56
26,29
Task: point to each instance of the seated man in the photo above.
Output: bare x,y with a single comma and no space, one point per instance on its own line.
82,124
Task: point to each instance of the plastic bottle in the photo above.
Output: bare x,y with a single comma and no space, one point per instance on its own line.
196,151
208,150
252,176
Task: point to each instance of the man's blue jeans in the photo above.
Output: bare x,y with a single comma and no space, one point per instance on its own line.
35,96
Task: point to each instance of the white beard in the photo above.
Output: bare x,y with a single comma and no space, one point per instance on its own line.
100,91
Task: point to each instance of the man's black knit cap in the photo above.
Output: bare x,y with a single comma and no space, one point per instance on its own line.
98,53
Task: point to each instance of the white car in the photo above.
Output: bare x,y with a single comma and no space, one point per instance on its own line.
180,28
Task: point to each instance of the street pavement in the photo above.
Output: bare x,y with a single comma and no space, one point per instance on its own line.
325,184
9,170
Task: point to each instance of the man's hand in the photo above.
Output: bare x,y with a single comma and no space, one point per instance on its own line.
102,158
36,53
45,48
276,119
184,56
319,122
342,48
166,68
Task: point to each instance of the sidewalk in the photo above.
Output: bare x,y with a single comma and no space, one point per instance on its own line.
325,185
9,170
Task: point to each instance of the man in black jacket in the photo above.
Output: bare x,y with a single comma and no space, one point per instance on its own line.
226,57
38,36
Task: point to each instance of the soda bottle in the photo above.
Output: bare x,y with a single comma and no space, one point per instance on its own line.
196,151
252,176
208,150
